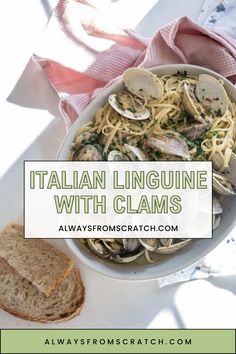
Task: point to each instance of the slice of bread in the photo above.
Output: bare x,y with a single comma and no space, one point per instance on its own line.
19,297
34,259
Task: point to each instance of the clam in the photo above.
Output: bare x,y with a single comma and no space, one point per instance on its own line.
189,102
216,206
88,153
85,138
126,258
147,256
166,242
222,185
116,155
113,246
216,221
131,244
194,131
232,168
97,247
174,247
127,112
218,162
211,94
149,243
135,153
169,145
142,83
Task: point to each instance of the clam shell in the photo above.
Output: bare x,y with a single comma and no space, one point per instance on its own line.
114,247
116,155
217,207
142,82
232,167
130,244
149,243
211,93
188,103
194,131
97,247
169,145
112,99
137,152
216,221
220,188
217,161
173,247
126,258
88,153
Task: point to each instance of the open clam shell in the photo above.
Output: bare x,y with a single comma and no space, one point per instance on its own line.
166,242
88,153
126,258
113,247
189,101
141,82
216,221
130,114
211,94
136,153
149,243
116,155
217,207
171,145
194,131
97,247
218,162
222,185
131,244
232,167
173,247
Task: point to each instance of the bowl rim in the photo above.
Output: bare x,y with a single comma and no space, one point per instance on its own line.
128,274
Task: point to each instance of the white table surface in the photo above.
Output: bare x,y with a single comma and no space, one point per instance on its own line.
32,128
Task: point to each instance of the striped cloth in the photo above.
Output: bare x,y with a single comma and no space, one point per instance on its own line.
82,52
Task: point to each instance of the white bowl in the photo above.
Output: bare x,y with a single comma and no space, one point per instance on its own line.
196,249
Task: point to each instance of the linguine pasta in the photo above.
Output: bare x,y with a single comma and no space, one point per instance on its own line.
167,116
186,118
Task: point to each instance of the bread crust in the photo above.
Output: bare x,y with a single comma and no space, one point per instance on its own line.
57,280
67,317
70,312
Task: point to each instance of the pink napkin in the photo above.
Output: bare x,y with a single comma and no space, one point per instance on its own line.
82,52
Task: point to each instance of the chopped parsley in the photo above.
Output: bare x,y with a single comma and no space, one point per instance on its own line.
182,74
198,143
158,154
91,140
145,135
124,140
184,115
119,104
218,113
132,110
195,144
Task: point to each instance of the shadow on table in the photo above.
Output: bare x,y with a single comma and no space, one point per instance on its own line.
33,91
47,7
225,283
11,183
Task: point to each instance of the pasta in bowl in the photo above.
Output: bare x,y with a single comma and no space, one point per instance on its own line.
175,112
